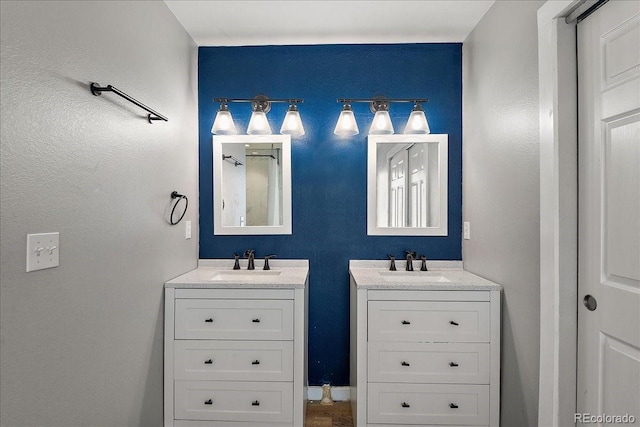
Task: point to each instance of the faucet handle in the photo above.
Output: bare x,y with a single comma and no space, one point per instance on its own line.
236,265
413,254
249,252
423,266
392,267
266,261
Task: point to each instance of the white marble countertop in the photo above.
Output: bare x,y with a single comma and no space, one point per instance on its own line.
442,275
219,273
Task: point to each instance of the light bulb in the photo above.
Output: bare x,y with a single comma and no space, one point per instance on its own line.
381,124
223,124
417,123
346,125
258,124
292,124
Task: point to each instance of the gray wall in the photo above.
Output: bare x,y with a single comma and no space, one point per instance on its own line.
81,344
501,188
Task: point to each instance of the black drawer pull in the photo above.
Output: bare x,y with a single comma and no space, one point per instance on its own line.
208,362
208,402
256,320
453,406
209,320
255,403
405,405
255,362
406,322
453,364
454,323
403,363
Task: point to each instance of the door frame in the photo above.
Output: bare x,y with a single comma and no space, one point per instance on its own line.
557,68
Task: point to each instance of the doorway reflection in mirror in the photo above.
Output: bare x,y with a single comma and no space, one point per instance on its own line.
407,185
407,191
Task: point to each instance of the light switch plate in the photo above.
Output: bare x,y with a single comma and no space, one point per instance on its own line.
466,230
187,230
43,251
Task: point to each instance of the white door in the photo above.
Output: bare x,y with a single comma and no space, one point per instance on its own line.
417,185
397,185
609,214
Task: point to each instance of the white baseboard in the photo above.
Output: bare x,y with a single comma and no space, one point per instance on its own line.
338,394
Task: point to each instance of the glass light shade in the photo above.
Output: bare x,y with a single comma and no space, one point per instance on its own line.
346,125
223,124
292,124
381,124
417,123
258,124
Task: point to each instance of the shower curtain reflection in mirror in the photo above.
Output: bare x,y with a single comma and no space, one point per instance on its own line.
264,183
252,191
252,184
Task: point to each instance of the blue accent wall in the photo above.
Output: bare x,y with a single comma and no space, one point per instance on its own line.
328,172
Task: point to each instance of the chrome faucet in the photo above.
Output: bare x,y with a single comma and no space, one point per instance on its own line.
410,256
250,253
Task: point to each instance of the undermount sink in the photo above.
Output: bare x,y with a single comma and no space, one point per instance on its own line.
413,276
442,275
244,275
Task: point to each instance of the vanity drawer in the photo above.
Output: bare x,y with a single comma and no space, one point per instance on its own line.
465,363
428,321
233,360
234,319
234,401
421,404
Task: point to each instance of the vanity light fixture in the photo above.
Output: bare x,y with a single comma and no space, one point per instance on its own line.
381,125
346,125
258,124
417,123
223,124
292,124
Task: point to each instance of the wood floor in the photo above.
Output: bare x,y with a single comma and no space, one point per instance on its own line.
336,415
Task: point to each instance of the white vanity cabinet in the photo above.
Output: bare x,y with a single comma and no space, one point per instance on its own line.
235,351
424,353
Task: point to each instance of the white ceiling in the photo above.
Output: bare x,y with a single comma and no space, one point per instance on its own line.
290,22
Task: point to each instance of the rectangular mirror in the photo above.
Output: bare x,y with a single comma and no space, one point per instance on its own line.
407,185
252,184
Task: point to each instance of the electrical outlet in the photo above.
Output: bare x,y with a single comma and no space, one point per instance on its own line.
466,230
187,230
43,251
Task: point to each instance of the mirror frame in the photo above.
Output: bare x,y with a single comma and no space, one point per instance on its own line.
286,227
443,162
